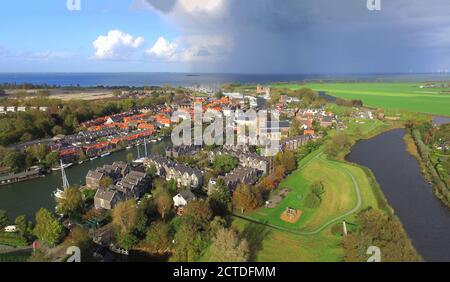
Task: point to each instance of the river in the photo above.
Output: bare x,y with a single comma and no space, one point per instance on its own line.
424,217
29,196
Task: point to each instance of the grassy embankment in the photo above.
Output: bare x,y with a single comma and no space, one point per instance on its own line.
389,96
310,238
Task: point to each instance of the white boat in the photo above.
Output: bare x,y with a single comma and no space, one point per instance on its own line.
80,162
128,147
94,158
139,161
59,194
105,154
63,165
153,140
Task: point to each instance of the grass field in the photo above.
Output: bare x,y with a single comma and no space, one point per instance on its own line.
310,238
399,96
339,198
270,245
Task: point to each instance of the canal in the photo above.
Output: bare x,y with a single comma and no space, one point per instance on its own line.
424,217
29,196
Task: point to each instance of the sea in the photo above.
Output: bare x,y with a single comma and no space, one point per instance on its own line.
141,79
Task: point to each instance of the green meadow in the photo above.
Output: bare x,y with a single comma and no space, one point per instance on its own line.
392,96
310,238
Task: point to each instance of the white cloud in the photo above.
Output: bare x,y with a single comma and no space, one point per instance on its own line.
189,49
202,6
116,45
163,49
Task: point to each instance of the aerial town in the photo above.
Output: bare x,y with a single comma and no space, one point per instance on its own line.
222,132
155,179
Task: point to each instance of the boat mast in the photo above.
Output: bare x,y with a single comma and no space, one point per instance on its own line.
145,146
64,177
139,152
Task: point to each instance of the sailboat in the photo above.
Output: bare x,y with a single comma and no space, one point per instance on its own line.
59,194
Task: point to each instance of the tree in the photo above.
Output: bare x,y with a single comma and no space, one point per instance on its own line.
279,172
219,200
312,201
338,143
172,187
71,204
21,223
198,213
47,228
127,240
287,159
15,160
159,237
151,171
216,224
57,130
105,182
375,228
295,128
89,195
125,216
314,198
228,247
163,202
4,221
268,182
224,163
79,237
247,197
189,243
52,159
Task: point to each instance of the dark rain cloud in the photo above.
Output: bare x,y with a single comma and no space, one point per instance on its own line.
293,36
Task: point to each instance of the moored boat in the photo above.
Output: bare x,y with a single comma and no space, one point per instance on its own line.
63,166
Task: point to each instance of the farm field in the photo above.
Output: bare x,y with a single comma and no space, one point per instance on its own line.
393,96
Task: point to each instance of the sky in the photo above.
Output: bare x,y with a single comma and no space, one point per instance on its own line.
232,36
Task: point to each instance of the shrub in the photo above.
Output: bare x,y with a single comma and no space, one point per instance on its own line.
312,201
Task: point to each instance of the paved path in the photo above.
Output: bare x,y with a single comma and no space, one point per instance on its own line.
326,224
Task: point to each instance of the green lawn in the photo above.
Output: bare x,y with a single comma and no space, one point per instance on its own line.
397,96
270,245
310,238
339,198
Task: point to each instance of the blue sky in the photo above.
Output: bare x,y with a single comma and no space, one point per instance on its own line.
251,36
33,29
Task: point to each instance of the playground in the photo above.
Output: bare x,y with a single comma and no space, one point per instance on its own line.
291,215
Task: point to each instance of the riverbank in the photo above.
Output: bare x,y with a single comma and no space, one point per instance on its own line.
424,218
427,168
29,196
357,189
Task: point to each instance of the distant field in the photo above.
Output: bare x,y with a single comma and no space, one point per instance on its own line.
402,96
